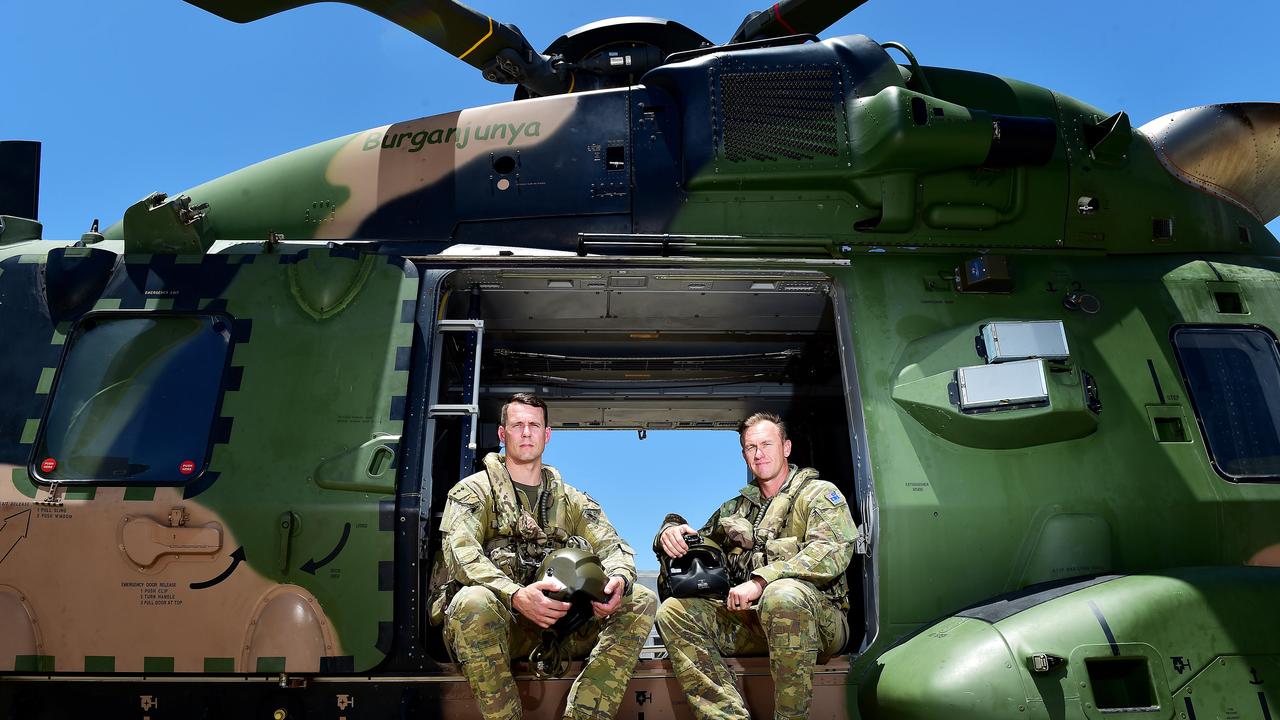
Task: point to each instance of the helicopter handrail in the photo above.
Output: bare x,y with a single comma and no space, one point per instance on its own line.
916,70
797,39
667,244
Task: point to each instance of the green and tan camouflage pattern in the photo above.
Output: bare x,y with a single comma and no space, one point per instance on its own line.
205,578
328,190
794,624
805,532
488,540
491,548
800,542
484,635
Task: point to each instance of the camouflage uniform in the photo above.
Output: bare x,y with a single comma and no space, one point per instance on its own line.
800,542
491,548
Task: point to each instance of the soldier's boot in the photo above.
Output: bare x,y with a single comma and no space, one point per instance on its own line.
476,628
789,617
689,629
597,692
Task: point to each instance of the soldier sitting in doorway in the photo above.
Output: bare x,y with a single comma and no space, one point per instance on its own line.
789,538
498,525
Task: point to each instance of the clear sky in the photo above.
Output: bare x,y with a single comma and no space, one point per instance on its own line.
134,96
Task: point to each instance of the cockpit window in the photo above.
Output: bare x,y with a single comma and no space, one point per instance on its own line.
1233,375
135,399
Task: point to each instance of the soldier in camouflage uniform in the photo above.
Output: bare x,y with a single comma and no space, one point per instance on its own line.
497,526
789,538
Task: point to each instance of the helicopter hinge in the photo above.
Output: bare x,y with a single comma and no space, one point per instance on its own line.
167,226
1044,662
505,68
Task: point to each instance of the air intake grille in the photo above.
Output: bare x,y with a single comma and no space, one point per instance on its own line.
780,115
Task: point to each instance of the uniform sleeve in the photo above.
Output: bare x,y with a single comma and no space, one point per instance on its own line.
465,518
617,557
672,519
827,546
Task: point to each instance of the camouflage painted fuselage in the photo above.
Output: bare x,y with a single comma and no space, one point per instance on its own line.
297,548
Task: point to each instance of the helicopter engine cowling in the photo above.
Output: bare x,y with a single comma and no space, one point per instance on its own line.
836,121
1229,151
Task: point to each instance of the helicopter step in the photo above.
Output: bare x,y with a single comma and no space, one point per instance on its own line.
653,694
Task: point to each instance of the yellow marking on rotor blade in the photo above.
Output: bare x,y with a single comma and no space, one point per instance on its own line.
573,80
464,55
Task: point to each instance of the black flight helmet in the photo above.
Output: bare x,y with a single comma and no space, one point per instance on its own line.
700,572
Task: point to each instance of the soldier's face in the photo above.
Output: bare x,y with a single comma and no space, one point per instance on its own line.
765,452
525,434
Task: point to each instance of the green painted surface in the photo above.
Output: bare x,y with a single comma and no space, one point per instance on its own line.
270,665
33,663
219,665
304,398
22,482
1195,632
100,663
157,664
139,494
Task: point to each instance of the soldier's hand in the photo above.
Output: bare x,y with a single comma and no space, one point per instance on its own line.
614,591
672,540
532,602
742,596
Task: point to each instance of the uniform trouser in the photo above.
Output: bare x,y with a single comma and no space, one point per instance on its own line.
484,635
794,623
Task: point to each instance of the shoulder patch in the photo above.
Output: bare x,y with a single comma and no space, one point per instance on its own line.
834,497
464,495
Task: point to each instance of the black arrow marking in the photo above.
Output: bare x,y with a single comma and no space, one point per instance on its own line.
1256,680
311,565
237,557
11,536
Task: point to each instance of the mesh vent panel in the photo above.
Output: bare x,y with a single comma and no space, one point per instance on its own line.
780,115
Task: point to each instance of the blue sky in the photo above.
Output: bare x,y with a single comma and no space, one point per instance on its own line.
131,97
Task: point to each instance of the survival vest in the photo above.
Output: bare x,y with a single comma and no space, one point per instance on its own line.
763,542
515,541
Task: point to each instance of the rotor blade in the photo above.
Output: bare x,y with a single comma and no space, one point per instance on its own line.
793,17
497,49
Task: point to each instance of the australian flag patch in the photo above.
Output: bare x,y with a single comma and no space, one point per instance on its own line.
835,498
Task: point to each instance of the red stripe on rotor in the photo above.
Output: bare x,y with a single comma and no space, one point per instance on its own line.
778,16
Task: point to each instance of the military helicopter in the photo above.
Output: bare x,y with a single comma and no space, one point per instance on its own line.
1031,339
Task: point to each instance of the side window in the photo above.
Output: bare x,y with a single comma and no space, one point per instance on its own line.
1233,375
134,400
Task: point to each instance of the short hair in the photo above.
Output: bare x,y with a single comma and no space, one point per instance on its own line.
758,418
526,399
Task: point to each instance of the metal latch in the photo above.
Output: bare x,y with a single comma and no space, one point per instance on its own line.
1044,662
862,545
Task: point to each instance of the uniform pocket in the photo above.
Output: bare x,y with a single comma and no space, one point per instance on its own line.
780,549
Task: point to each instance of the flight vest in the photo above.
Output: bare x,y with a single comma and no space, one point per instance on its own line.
768,544
517,539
